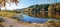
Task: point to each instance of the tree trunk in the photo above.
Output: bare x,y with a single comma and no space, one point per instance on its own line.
0,7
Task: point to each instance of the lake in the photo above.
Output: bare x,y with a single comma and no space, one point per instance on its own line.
26,18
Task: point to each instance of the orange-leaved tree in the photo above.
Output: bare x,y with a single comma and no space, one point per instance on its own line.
3,2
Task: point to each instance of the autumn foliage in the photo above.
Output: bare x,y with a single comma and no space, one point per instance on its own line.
3,2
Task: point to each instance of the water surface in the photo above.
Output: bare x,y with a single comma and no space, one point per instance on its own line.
27,18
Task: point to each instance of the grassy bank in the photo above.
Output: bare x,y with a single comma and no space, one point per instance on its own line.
7,14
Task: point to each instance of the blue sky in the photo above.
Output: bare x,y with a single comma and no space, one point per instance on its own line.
27,3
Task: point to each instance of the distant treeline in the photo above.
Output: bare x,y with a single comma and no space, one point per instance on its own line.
43,10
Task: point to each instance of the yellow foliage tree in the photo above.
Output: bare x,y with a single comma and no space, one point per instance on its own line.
3,2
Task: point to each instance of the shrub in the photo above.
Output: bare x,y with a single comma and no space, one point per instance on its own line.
50,21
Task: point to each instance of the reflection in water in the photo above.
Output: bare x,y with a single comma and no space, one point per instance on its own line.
37,14
44,15
30,19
